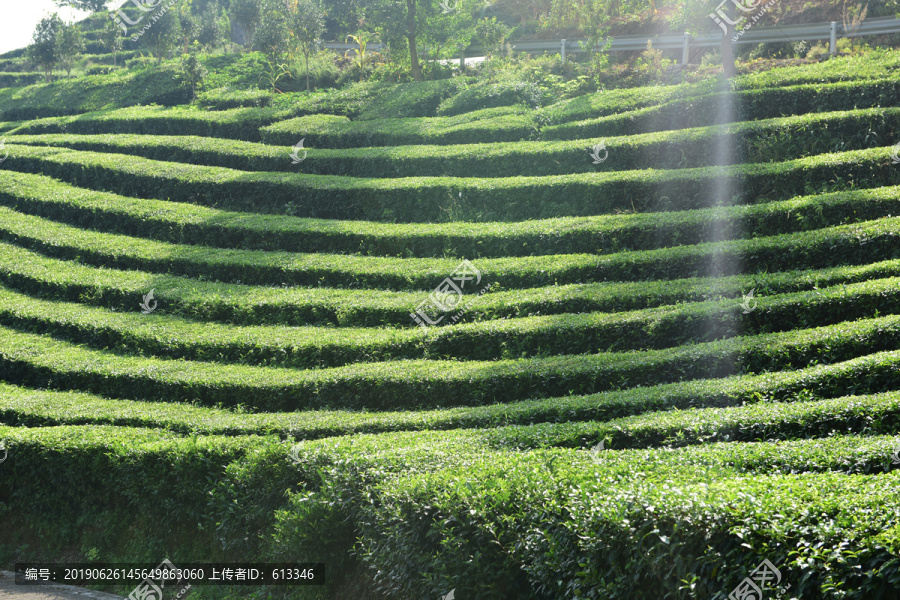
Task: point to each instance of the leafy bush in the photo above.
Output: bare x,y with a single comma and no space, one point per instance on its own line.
446,199
82,94
226,98
493,95
771,140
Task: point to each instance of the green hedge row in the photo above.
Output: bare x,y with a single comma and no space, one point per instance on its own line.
575,531
411,100
143,473
746,105
772,140
436,199
125,483
501,124
877,414
321,347
34,360
28,407
846,244
10,80
198,225
374,99
164,86
237,123
481,95
871,65
794,418
228,98
119,290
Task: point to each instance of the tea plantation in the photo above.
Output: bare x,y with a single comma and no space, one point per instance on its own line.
625,346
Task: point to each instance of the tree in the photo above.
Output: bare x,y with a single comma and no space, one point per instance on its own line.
193,69
726,16
307,23
272,35
111,38
70,47
88,5
247,14
210,33
491,33
405,21
190,27
163,34
44,50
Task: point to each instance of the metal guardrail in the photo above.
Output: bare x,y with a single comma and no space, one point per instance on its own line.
753,35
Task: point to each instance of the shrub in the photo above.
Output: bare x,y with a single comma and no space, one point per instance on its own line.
480,96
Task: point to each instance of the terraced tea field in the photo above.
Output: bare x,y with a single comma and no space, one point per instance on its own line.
631,345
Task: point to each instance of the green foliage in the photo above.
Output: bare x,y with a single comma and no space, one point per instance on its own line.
228,98
415,200
307,23
194,71
111,35
491,33
248,14
162,34
70,45
44,49
89,5
728,331
272,35
209,33
486,95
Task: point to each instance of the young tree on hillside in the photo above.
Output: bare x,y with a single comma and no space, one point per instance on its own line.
307,22
491,33
71,46
697,16
193,69
210,33
163,35
111,38
190,27
44,50
272,34
247,14
406,20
